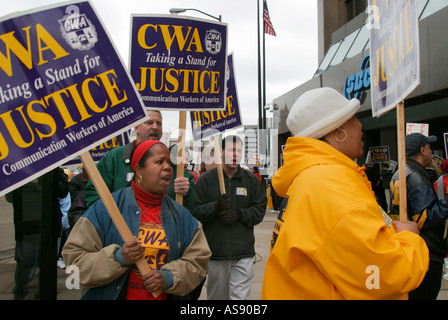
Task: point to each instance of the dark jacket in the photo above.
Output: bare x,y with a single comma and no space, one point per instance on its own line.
27,204
230,241
423,207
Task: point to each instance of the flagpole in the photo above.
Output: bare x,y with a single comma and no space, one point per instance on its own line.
264,75
260,106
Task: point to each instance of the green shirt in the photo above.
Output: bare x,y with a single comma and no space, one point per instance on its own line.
116,171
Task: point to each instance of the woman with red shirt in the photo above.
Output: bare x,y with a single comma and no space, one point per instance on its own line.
169,238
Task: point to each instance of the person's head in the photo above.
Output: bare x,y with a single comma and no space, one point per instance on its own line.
151,165
209,158
184,157
151,129
418,148
231,152
327,115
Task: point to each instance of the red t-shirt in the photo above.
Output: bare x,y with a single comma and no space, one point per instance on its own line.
153,240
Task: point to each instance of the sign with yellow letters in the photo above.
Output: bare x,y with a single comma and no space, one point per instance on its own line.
394,52
63,90
179,63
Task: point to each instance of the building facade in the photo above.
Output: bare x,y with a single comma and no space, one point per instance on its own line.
345,67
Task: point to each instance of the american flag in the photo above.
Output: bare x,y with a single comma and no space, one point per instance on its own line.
268,27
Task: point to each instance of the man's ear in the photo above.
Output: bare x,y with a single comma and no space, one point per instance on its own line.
423,151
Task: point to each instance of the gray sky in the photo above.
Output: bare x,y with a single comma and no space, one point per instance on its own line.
291,57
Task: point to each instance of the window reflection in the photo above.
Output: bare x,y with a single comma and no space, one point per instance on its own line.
327,59
359,40
343,48
433,6
360,43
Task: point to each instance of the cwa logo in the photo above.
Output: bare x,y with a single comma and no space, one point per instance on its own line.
213,41
77,30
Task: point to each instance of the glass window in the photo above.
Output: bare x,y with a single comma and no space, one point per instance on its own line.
433,6
421,5
328,57
344,48
360,42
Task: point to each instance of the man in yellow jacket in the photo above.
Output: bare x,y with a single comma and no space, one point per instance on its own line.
332,240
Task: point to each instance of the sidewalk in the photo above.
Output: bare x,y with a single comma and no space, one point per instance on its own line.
263,233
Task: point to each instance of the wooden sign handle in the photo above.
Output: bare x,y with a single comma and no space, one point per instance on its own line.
112,208
218,162
180,151
402,162
446,229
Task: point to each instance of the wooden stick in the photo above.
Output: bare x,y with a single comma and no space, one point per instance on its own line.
446,229
218,162
180,151
112,209
401,130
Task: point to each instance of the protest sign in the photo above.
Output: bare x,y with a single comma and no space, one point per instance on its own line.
179,63
394,52
213,123
207,123
282,147
379,154
101,150
438,163
63,90
393,165
255,160
422,128
394,68
445,142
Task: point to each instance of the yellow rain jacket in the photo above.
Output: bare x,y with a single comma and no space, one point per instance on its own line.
334,241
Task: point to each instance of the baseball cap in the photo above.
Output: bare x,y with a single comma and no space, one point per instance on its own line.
416,141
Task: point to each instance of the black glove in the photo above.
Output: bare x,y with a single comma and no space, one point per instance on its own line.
223,203
229,216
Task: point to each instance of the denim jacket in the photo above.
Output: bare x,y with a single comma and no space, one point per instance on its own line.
94,245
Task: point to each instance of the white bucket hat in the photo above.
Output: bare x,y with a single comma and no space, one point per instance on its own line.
319,111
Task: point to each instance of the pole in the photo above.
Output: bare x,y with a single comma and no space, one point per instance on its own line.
260,106
180,151
218,161
48,237
264,77
402,161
